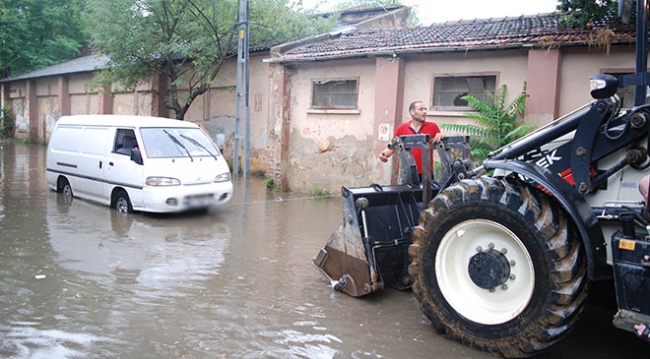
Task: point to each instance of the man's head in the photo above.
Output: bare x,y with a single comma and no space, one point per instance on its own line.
418,111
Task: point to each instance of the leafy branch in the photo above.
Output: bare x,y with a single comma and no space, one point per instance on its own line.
496,124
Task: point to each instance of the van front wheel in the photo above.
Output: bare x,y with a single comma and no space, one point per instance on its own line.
63,187
122,202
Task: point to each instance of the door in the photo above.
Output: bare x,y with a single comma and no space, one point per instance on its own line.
90,162
120,171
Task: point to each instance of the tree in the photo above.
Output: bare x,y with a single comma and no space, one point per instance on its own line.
37,33
186,41
583,13
496,124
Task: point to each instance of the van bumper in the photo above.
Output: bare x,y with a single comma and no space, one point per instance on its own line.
184,198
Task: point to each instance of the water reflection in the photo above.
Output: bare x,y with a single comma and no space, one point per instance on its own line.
156,252
78,280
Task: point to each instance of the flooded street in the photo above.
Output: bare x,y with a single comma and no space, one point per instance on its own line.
78,281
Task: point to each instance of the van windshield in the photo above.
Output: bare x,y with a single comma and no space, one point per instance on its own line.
177,142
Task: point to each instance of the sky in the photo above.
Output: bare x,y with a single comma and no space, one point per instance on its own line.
430,11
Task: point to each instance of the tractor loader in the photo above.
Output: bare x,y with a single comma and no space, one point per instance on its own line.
502,257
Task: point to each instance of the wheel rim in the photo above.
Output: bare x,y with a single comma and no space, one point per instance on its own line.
485,306
67,191
122,205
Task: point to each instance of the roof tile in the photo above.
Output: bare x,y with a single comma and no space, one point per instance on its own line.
536,30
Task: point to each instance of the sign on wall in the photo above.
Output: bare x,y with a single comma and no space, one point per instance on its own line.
384,132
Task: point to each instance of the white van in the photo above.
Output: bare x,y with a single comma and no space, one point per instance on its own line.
137,163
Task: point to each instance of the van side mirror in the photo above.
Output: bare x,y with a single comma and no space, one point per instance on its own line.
136,156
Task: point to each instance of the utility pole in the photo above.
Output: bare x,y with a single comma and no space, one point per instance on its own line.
242,93
641,52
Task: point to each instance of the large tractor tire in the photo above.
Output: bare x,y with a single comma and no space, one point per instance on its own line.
498,267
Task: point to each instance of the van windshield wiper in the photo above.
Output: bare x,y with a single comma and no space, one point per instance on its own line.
198,144
176,141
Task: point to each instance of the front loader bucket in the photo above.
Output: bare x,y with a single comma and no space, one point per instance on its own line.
370,249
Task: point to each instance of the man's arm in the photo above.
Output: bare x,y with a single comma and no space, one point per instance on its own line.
438,137
385,154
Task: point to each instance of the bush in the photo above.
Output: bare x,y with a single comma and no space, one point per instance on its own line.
321,192
7,123
496,124
269,182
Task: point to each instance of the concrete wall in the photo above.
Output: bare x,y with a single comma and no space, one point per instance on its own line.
328,149
214,110
509,67
307,148
217,108
577,66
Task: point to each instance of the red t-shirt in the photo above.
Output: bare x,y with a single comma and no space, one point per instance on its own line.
428,128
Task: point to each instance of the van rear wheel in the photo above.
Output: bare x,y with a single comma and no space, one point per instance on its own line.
122,202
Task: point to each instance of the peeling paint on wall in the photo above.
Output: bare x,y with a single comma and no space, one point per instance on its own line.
22,123
329,163
50,122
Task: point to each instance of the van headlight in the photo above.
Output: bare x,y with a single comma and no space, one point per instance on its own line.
162,181
224,177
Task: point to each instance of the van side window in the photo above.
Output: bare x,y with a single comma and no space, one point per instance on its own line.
125,141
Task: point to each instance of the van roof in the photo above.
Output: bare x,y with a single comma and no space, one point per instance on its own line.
123,121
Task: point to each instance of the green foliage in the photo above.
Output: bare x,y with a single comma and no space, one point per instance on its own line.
7,123
321,192
496,124
186,41
269,182
582,13
38,33
273,22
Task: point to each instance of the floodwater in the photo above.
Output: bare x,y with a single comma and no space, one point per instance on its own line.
78,281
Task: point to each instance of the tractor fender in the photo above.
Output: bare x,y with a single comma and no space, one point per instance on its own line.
575,205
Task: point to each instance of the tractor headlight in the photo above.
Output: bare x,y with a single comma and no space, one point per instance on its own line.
603,86
162,181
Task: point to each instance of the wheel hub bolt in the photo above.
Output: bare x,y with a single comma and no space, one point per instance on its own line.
512,263
504,287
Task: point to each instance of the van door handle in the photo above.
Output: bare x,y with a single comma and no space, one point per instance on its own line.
100,164
110,163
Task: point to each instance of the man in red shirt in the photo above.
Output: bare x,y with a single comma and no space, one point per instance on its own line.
417,125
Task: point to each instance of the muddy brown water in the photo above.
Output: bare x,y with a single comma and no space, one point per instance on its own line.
79,281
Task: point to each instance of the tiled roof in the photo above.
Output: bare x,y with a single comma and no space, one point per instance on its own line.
81,64
543,30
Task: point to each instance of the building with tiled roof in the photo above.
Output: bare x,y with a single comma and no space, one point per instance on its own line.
322,108
339,96
40,97
88,63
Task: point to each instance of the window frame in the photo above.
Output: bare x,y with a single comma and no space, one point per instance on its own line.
120,133
313,106
438,108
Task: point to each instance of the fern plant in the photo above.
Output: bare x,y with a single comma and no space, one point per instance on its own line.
496,124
